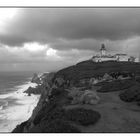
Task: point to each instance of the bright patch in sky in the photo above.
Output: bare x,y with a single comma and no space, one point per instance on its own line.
34,47
6,14
51,52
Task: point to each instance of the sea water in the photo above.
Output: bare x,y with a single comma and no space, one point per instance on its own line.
15,105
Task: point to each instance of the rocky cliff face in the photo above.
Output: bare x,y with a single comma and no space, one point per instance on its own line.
59,108
36,79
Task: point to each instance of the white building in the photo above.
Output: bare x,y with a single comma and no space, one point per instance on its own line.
103,56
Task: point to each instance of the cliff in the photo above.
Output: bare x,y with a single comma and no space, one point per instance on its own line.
36,79
86,97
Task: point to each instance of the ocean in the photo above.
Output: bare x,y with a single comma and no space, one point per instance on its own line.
15,106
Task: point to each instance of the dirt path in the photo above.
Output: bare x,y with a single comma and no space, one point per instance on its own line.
116,115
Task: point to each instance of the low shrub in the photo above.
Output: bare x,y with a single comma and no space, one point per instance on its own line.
101,83
57,113
82,116
55,126
131,94
78,116
61,126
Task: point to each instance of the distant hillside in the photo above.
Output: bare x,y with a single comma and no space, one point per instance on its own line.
88,69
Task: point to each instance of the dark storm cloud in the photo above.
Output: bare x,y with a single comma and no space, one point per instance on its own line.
50,25
52,38
13,40
79,44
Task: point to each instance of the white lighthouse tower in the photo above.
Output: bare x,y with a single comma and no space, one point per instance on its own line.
103,50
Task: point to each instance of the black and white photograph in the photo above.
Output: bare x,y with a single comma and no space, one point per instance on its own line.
69,69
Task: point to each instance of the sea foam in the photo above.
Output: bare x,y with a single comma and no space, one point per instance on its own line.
16,107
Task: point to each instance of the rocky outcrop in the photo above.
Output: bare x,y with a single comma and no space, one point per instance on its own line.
47,78
36,79
44,83
40,89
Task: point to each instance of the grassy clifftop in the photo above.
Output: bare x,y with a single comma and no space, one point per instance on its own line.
88,69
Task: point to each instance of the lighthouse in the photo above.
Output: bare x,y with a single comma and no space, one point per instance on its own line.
103,50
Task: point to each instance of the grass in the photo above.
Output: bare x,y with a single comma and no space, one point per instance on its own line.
55,126
116,85
88,69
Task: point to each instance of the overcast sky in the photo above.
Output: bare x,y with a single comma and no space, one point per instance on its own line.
46,39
